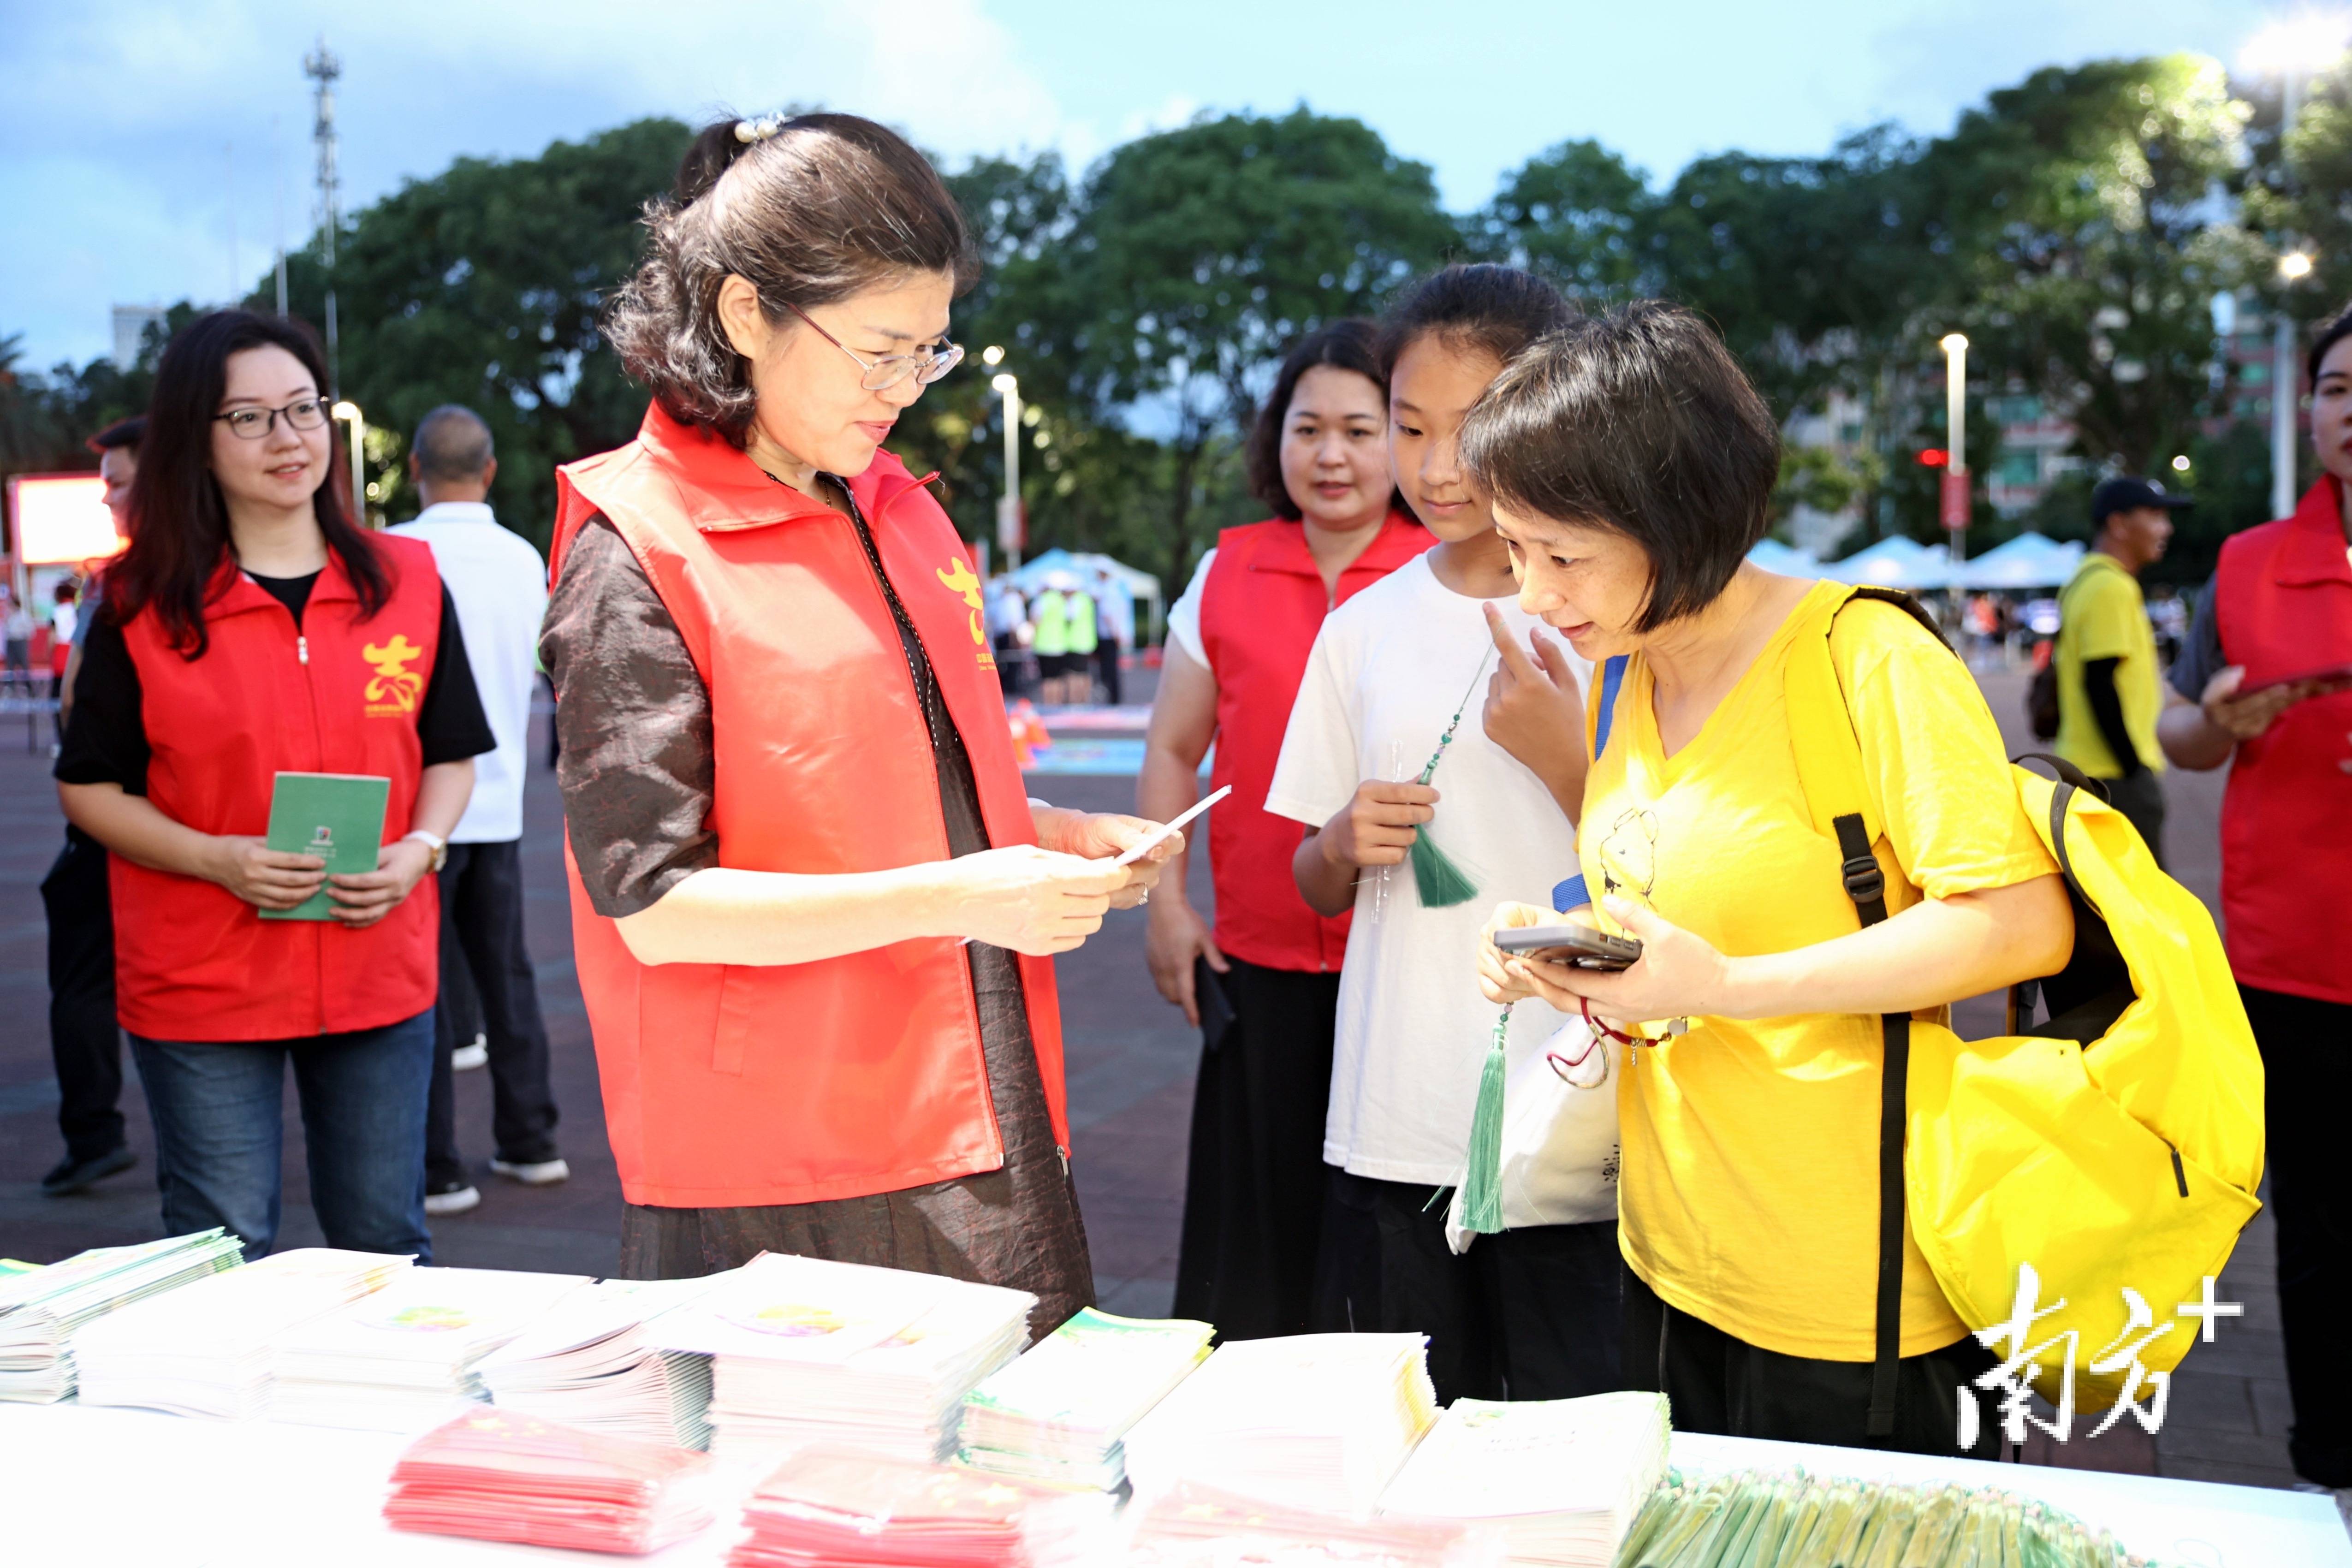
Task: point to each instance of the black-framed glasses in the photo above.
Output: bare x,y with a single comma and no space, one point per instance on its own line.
926,365
252,424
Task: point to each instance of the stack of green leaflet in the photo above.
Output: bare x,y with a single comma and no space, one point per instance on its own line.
40,1311
1788,1520
1061,1413
339,818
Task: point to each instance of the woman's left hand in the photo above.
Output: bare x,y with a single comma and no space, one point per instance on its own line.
362,900
1678,975
1102,836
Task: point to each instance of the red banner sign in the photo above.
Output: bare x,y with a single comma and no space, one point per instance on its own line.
1956,501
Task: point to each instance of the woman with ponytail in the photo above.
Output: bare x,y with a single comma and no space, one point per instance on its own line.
814,907
252,628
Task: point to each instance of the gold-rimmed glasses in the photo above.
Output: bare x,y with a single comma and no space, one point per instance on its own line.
927,364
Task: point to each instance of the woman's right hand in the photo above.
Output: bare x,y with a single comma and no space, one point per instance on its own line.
1379,825
1174,938
2248,717
1030,899
266,877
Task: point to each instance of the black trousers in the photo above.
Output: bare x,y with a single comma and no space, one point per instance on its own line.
2306,1048
481,932
84,1039
1253,1190
1107,660
1524,1314
2141,800
1716,1382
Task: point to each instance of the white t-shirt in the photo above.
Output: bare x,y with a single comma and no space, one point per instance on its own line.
1184,619
1390,668
498,584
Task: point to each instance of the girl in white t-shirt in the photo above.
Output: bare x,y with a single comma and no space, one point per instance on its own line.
1438,648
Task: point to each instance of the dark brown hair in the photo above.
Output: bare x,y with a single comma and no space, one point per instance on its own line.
1484,305
809,210
1641,423
179,522
1346,344
2334,330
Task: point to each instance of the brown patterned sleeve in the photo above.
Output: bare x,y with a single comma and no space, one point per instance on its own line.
632,726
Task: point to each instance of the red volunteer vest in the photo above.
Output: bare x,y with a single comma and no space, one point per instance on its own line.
193,960
2282,599
1260,608
732,1085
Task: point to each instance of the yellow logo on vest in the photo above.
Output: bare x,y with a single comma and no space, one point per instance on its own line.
958,580
393,689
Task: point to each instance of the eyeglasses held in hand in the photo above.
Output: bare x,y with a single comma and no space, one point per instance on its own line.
252,424
926,365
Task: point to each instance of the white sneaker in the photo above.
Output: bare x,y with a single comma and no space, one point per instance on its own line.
537,1174
464,1058
458,1200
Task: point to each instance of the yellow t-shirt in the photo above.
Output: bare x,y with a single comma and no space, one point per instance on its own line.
2106,617
1749,1184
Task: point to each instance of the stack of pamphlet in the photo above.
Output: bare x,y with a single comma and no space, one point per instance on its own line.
589,1364
204,1350
1318,1422
403,1358
843,1511
1562,1479
500,1476
1058,1414
41,1308
805,1351
1192,1526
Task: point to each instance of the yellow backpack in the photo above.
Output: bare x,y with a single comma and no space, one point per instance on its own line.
2115,1146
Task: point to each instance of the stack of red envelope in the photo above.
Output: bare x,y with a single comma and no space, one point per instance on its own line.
849,1511
502,1476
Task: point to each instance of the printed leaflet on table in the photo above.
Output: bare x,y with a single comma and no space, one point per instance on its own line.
501,1477
843,1511
589,1364
1058,1413
41,1309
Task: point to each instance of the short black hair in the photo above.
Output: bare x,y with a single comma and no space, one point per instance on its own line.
1500,310
2334,332
452,445
1350,343
123,433
1640,422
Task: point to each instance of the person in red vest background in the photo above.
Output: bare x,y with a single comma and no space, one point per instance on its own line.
813,907
2265,683
249,628
1263,987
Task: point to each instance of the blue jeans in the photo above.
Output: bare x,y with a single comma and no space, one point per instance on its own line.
219,1127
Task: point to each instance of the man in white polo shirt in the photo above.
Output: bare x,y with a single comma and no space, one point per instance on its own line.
499,586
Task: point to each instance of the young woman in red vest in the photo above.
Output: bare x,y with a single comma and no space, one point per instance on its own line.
1265,987
251,628
2265,684
814,909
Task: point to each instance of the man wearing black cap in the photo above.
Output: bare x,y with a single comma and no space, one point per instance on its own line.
2110,687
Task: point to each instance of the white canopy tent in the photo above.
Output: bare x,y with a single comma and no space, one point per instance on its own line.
1140,585
1774,556
2029,560
1894,563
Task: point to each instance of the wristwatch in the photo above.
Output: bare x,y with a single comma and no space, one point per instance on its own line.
433,842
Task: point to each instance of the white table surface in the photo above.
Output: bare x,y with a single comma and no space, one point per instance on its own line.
97,1487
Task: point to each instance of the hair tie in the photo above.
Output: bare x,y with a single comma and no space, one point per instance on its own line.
749,130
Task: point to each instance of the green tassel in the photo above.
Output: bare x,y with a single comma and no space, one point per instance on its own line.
1482,1186
1441,882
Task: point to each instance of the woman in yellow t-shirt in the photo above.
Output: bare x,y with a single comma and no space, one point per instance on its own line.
1631,465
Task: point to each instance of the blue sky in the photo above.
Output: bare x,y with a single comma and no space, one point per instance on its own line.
136,136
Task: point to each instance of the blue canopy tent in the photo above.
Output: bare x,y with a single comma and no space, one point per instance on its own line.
1894,563
1774,556
2029,560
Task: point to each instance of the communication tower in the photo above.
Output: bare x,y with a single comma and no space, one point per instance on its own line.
323,70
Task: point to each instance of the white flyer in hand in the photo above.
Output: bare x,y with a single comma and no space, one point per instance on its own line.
1167,829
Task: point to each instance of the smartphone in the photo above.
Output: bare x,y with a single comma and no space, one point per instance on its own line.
1571,943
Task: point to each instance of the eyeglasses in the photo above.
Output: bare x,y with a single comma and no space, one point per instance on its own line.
888,371
252,424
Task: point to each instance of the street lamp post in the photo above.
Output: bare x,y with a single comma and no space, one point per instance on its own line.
1956,470
350,411
1008,506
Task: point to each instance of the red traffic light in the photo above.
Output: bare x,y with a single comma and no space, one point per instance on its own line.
1934,457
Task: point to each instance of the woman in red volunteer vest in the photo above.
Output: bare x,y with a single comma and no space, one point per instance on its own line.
812,907
1265,987
2264,684
252,629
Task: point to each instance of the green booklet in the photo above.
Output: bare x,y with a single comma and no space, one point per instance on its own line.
339,818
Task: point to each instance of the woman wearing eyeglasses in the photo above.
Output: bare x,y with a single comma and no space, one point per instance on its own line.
252,628
812,907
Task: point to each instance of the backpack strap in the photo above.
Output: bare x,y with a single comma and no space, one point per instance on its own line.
1829,766
1600,710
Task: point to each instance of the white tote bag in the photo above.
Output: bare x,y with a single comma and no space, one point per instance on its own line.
1559,1141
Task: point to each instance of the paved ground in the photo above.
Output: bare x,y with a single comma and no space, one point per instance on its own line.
1130,1074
